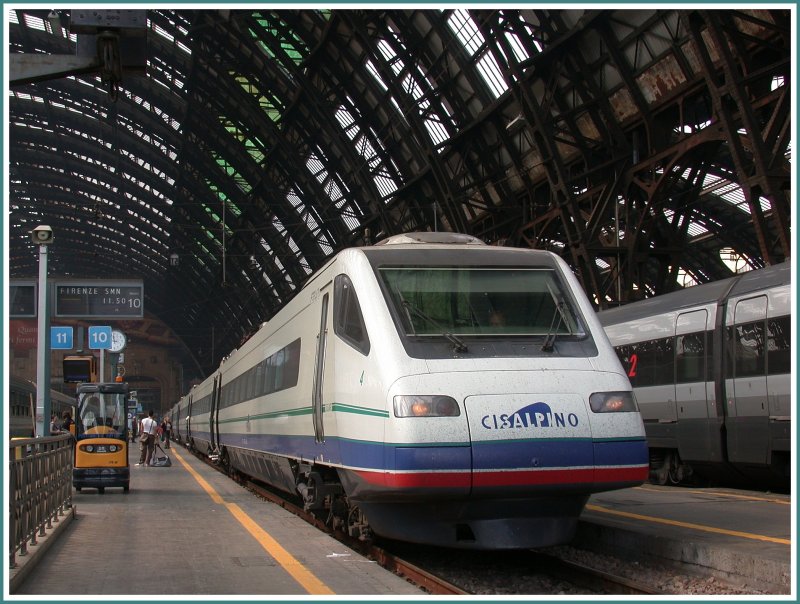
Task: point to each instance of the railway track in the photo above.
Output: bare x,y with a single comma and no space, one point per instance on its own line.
548,568
597,580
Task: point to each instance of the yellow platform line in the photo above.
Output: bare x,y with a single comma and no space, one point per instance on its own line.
299,572
697,527
757,498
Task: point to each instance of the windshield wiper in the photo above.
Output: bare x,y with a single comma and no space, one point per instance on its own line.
458,345
552,333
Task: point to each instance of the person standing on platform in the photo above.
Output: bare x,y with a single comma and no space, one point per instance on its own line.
167,432
68,423
55,428
148,429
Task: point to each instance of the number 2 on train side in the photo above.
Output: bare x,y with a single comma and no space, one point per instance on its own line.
634,360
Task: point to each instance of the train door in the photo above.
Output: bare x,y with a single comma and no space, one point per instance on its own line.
213,418
747,385
323,382
188,422
696,432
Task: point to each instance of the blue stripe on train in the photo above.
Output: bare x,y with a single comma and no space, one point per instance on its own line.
543,453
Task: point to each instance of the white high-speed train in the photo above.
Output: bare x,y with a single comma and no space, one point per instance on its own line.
430,389
711,369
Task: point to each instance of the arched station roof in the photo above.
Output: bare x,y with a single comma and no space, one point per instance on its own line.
644,146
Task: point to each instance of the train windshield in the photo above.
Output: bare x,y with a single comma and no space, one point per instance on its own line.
481,301
102,413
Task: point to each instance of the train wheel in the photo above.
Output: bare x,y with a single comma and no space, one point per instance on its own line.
660,461
78,489
225,462
357,525
126,488
101,490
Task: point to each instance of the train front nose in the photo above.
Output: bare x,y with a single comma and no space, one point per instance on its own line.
525,442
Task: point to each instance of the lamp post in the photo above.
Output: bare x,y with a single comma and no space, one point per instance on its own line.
42,235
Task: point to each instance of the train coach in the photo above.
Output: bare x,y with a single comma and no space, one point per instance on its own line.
431,389
710,366
22,407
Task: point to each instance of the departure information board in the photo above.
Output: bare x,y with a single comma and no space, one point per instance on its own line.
22,299
99,299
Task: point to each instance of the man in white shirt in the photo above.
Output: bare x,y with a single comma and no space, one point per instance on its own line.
147,431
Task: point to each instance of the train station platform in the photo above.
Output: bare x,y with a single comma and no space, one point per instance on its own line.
744,537
190,530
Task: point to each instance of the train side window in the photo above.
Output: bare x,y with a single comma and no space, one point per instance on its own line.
259,378
749,349
234,386
291,365
348,321
779,352
654,361
690,355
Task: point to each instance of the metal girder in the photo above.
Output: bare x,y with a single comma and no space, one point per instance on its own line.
732,99
442,190
610,165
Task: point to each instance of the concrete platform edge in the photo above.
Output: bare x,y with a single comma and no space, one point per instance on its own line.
25,564
727,564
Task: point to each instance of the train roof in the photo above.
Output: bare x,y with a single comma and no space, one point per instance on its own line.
20,382
707,293
427,237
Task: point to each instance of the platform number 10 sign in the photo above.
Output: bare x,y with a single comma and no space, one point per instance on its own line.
100,337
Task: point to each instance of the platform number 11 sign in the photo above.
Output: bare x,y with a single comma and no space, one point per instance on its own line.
61,338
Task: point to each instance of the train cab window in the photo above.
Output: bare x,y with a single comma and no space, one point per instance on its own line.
509,301
348,321
779,352
749,349
690,357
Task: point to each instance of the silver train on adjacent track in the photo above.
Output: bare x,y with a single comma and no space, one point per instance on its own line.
431,389
711,369
22,407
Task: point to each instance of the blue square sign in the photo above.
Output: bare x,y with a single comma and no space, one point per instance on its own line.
61,338
100,337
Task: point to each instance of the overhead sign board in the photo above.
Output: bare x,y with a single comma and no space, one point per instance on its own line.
22,299
99,299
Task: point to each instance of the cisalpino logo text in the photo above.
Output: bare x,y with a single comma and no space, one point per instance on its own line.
537,415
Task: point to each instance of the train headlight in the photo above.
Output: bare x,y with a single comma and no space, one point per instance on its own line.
88,448
425,406
113,448
612,402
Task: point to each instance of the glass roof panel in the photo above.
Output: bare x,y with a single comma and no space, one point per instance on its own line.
474,44
416,84
271,107
364,147
291,44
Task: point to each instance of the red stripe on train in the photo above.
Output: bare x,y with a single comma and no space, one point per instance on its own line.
512,478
